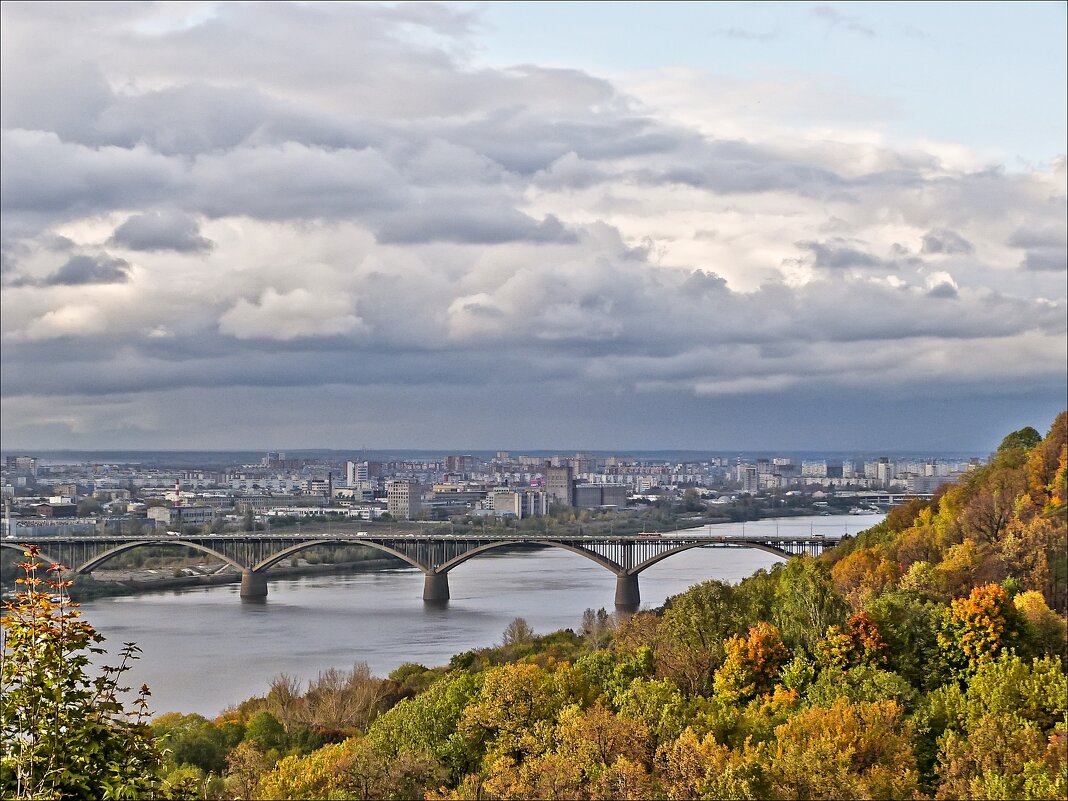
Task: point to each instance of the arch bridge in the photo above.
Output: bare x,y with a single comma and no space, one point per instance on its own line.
434,554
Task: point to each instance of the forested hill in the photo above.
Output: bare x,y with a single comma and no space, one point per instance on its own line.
923,659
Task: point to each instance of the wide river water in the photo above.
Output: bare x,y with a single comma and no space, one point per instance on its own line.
204,650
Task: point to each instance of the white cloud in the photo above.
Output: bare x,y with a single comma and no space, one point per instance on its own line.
326,198
290,315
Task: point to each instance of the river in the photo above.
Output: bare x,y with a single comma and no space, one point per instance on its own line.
203,649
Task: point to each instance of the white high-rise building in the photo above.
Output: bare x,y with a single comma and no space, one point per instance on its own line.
357,472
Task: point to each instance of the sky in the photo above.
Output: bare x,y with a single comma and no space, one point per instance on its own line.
532,225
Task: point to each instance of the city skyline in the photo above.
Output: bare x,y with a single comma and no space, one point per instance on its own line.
834,227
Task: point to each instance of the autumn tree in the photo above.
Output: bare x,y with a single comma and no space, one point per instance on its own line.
752,663
859,642
978,627
1005,735
595,738
246,764
863,574
547,776
849,750
1047,466
66,733
315,776
515,711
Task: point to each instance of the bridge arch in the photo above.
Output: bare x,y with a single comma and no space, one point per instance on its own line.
96,561
274,559
638,568
14,546
458,560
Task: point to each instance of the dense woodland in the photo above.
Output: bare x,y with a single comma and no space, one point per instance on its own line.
924,658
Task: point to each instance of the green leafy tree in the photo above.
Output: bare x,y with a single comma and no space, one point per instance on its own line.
695,628
429,723
65,733
1004,734
1025,439
807,603
195,740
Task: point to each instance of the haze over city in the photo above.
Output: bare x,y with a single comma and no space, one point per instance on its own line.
576,226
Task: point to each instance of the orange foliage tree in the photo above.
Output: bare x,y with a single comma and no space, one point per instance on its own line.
752,663
980,626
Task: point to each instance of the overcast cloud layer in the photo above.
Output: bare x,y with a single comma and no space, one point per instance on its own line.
282,226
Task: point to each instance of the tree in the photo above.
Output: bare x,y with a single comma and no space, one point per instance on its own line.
1046,629
849,750
1004,735
978,627
1025,439
691,767
428,723
65,733
518,632
515,712
691,501
860,642
597,627
246,765
808,603
696,626
752,664
194,740
595,738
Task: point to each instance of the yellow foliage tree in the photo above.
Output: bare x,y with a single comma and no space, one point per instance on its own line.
850,750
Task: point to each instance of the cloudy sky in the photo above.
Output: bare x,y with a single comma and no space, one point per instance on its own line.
721,226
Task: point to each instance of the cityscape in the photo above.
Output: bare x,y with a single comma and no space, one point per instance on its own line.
521,401
50,497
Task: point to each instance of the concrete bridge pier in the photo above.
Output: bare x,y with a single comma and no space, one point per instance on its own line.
253,585
436,587
627,595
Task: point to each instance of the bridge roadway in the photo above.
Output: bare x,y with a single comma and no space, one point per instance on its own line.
434,554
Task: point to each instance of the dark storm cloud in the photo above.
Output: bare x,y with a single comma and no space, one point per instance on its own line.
83,269
945,241
942,289
1033,237
45,176
161,230
838,254
727,334
469,226
1046,260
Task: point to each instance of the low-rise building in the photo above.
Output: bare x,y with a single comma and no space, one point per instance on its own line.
170,517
